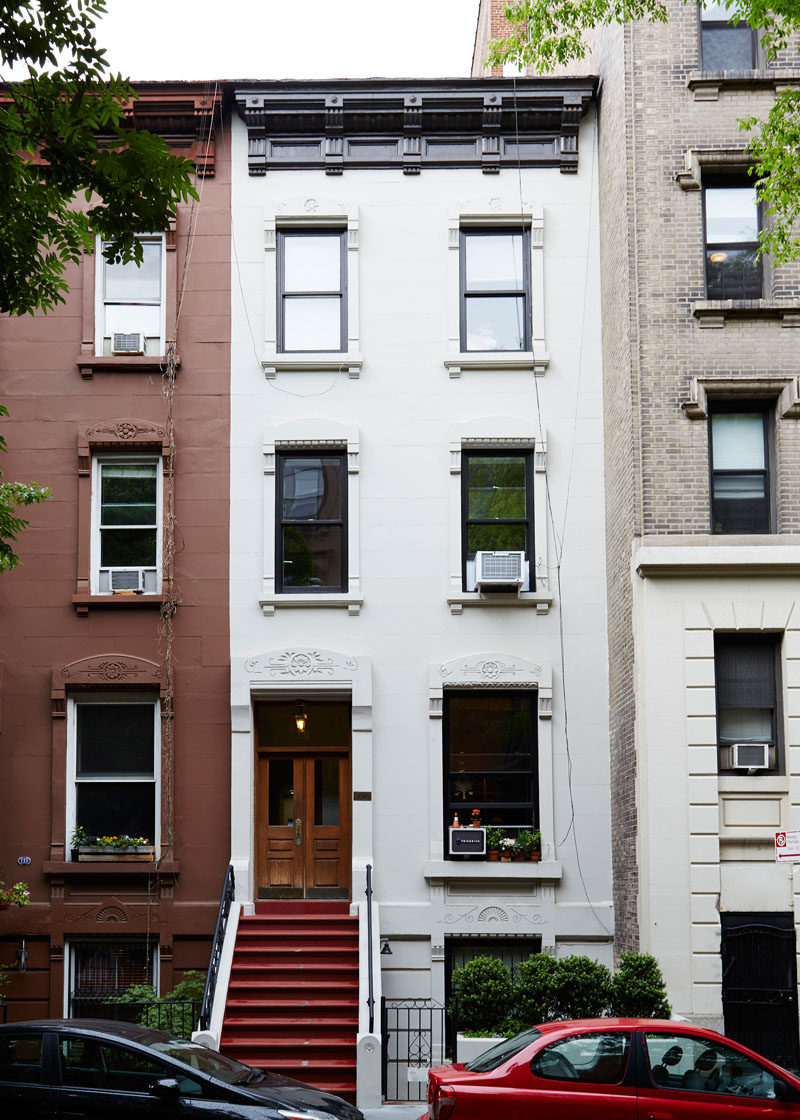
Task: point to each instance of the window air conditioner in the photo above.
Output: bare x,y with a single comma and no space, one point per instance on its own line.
750,756
127,343
126,579
500,571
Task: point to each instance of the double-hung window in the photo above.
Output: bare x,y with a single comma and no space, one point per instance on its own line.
114,790
126,541
491,758
497,508
130,309
312,522
747,675
312,291
495,290
100,971
740,476
732,225
726,44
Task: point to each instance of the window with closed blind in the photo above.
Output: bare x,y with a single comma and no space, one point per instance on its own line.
740,469
312,291
727,43
747,678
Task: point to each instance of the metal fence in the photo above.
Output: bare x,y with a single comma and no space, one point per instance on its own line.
177,1017
413,1033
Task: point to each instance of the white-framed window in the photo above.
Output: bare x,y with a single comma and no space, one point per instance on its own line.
114,765
99,969
311,287
127,494
130,304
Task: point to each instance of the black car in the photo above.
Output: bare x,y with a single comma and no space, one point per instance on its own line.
90,1069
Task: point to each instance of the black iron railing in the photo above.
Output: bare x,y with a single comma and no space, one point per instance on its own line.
371,992
228,892
177,1017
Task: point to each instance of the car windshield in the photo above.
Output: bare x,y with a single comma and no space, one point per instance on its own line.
504,1050
203,1059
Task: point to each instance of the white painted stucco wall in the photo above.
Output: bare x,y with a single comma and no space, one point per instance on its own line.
406,409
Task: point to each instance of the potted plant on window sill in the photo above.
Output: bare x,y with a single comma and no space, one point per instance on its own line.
529,845
494,838
15,895
110,849
507,849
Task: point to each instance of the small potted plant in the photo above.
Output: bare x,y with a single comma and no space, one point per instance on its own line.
524,844
106,849
536,845
507,848
494,838
15,895
475,818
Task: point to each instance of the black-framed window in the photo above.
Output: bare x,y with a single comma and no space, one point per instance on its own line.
101,970
747,683
732,227
312,291
497,506
495,289
491,758
312,522
740,469
725,45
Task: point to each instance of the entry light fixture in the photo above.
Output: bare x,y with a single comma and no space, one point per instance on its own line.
22,957
386,950
301,716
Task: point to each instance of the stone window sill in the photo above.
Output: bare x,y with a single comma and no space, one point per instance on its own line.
92,870
540,600
346,600
715,312
84,603
349,363
503,360
483,871
706,84
723,559
90,364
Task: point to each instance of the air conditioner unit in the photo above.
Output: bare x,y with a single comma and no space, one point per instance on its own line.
750,756
126,579
500,571
127,343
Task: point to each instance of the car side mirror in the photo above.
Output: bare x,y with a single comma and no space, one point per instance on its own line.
167,1089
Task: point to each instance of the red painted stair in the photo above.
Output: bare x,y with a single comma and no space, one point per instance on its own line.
292,1002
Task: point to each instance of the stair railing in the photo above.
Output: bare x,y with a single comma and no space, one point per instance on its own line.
370,972
228,893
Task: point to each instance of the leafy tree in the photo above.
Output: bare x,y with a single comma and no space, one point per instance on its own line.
548,33
638,988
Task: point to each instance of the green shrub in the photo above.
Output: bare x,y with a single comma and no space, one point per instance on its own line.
638,988
172,1013
483,995
533,989
581,988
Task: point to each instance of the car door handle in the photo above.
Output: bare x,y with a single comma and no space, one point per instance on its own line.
660,1116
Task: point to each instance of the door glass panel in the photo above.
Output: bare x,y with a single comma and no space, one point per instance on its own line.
21,1058
281,791
600,1059
328,724
702,1065
326,791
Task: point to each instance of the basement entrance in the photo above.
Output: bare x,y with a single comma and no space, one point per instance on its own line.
303,799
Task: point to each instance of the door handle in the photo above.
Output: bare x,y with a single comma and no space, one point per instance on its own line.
659,1116
298,831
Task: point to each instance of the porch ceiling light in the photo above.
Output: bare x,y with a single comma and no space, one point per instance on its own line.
301,716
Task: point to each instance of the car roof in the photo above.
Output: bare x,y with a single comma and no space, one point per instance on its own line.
130,1032
629,1024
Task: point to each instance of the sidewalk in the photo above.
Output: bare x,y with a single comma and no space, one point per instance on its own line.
397,1111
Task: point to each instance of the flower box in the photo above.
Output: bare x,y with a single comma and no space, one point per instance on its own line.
89,853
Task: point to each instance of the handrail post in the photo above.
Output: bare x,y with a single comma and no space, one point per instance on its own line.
371,995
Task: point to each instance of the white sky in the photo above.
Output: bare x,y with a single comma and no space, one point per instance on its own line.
267,39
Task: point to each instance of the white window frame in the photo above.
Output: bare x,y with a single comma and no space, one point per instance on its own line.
98,461
72,753
312,215
100,300
311,435
69,962
500,434
503,213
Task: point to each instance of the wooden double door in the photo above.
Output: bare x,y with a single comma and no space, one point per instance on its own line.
303,823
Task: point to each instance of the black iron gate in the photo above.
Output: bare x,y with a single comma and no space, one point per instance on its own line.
759,984
413,1034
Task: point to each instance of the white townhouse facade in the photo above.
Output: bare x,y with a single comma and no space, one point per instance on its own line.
415,388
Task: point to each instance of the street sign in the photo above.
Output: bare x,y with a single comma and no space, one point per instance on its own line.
787,847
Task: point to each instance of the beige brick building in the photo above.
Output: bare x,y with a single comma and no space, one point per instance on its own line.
701,344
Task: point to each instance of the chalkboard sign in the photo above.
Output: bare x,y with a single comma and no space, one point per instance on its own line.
468,841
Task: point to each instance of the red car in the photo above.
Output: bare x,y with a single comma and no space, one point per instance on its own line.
614,1069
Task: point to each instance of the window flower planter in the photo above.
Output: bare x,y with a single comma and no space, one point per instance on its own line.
89,853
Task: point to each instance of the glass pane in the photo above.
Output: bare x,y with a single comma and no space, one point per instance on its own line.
701,1065
490,789
496,487
328,724
127,283
117,809
600,1059
742,725
495,538
115,739
312,323
495,323
312,488
312,556
738,487
744,670
733,274
326,791
281,791
312,263
727,48
494,262
128,494
737,439
490,733
128,548
21,1059
731,215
